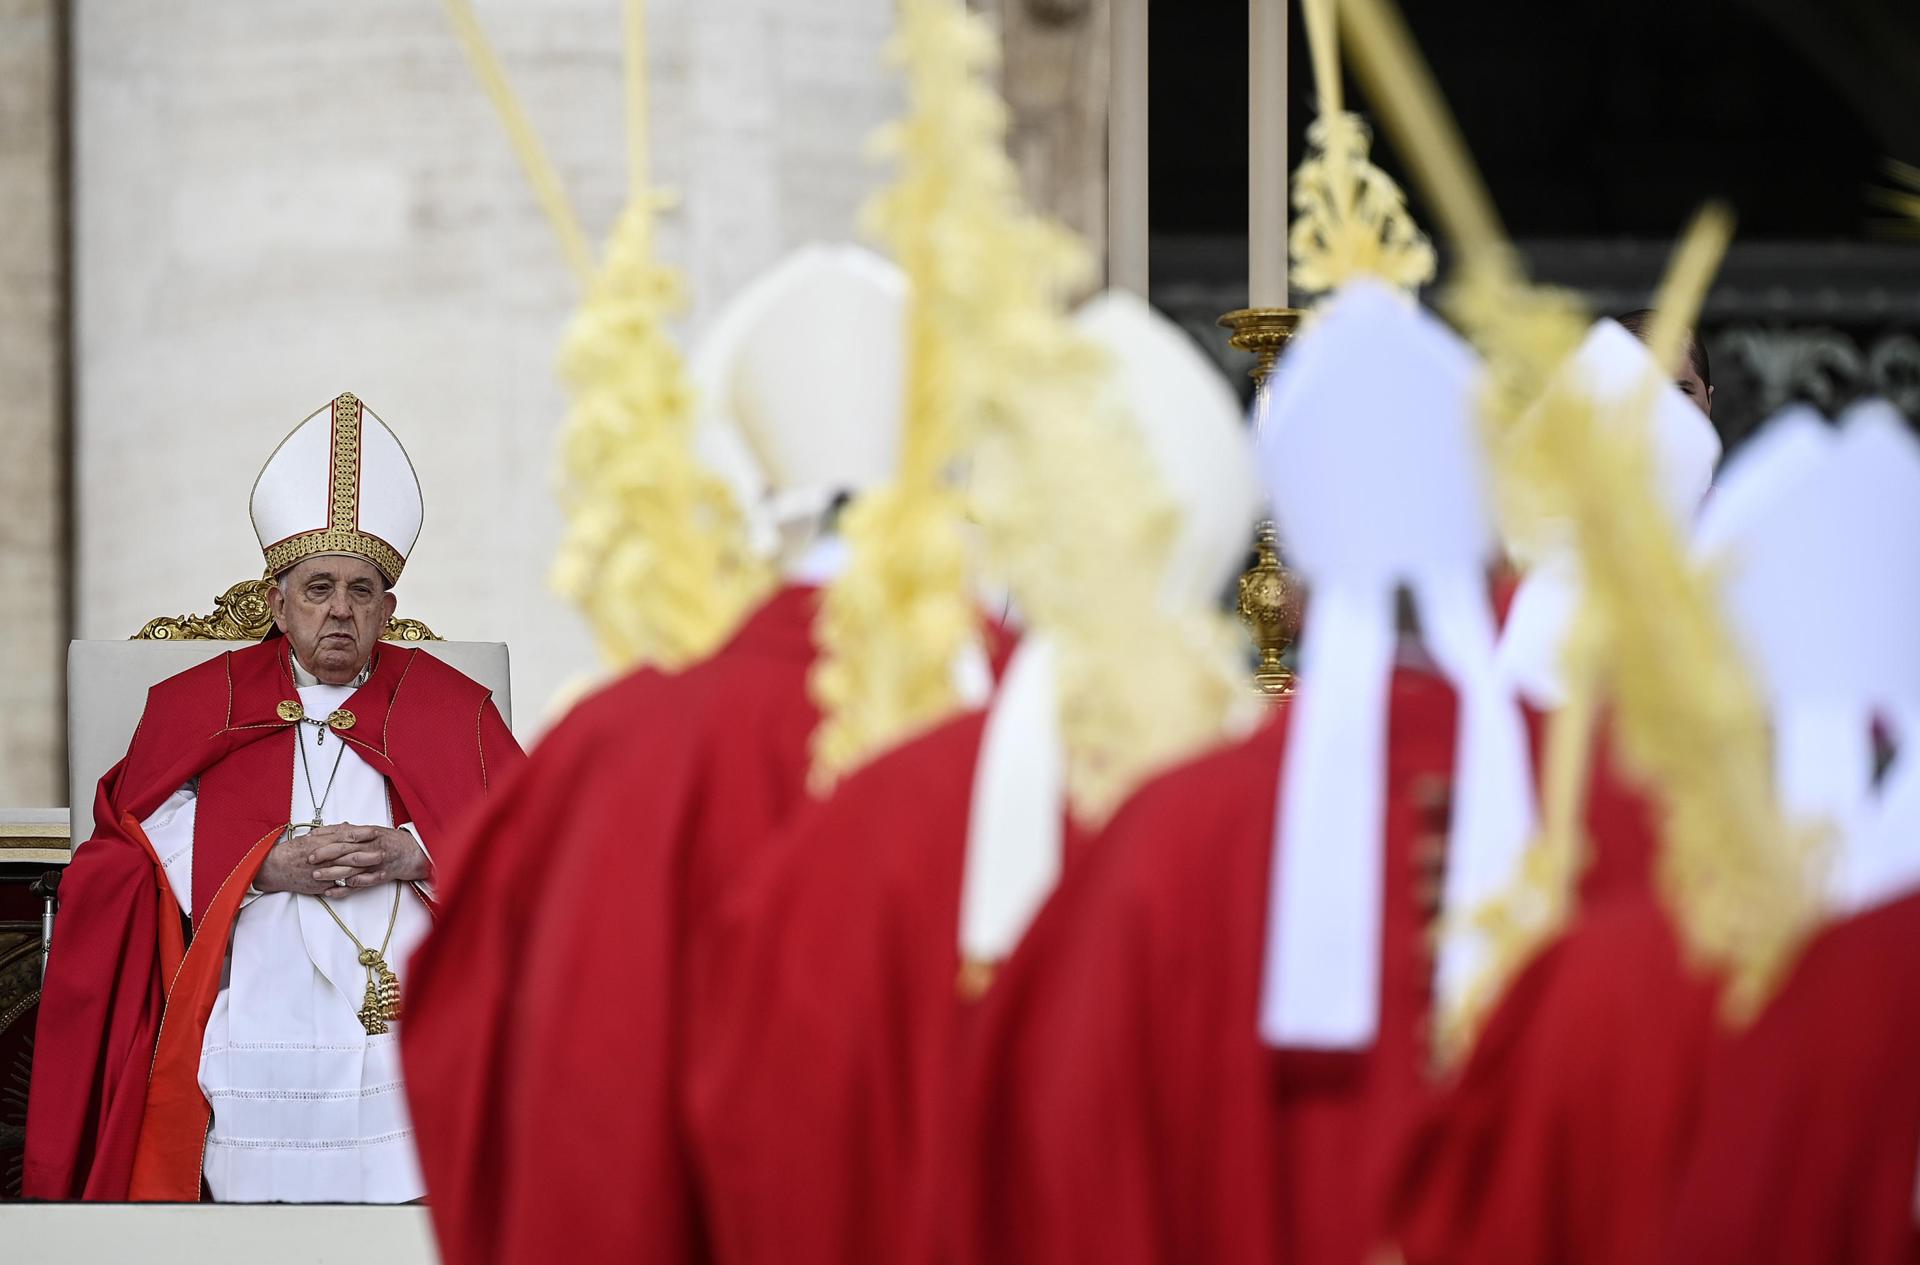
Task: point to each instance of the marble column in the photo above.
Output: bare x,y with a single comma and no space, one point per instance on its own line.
33,474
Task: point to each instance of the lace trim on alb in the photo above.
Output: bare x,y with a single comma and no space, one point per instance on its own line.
283,1144
308,1095
353,1047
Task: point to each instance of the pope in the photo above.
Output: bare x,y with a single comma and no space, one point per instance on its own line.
221,1005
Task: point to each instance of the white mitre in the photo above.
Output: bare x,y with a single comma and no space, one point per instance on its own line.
1880,859
1759,481
816,375
1190,423
340,483
1378,485
1812,542
1195,433
1617,372
719,441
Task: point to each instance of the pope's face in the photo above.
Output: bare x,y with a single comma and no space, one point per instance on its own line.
332,609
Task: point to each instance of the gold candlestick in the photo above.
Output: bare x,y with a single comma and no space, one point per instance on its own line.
1264,331
1269,597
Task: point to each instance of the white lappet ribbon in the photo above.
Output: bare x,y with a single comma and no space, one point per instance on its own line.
1016,823
1321,984
1493,811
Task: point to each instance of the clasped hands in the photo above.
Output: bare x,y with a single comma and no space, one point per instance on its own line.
365,856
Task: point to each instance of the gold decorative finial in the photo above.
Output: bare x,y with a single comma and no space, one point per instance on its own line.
1350,218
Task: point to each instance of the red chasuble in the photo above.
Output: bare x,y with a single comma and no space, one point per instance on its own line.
1118,1103
116,1110
544,1040
1809,1142
1564,1137
832,1014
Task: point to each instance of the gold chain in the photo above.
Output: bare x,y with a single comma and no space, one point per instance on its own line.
320,803
381,1003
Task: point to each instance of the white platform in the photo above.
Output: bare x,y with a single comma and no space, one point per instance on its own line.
209,1234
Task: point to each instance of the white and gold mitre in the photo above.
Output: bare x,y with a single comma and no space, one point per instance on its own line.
340,483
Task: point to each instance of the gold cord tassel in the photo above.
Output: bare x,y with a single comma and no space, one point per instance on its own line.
381,1004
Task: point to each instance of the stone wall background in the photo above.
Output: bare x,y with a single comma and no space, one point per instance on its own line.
277,204
33,561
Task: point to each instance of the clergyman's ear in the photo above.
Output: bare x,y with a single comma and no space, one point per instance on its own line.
388,604
277,604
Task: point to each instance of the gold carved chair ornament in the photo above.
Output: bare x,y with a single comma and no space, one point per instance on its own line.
241,614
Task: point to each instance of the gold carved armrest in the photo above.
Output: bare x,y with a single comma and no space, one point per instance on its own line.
241,614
